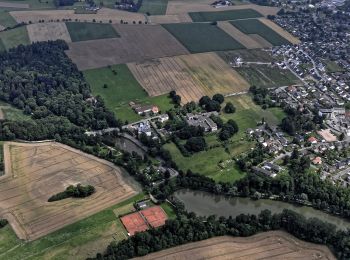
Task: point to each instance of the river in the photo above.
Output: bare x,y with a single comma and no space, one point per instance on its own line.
205,204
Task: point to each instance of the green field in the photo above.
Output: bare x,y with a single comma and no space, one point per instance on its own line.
153,7
6,19
121,89
202,37
13,113
77,241
90,31
332,66
265,76
14,37
224,15
254,55
215,163
254,26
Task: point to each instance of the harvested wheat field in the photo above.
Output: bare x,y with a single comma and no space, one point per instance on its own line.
36,171
136,44
268,245
48,32
242,38
105,15
280,31
192,76
184,6
171,18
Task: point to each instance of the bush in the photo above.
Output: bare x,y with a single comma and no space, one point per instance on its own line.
3,222
229,108
78,191
196,144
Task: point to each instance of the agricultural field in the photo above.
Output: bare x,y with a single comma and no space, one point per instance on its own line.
267,245
80,240
255,26
90,31
256,55
266,76
6,20
137,43
228,15
153,7
121,87
36,171
27,4
217,163
169,18
203,37
192,76
39,32
104,15
14,4
14,37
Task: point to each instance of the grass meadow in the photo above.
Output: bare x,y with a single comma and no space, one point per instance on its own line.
224,15
14,37
80,31
153,7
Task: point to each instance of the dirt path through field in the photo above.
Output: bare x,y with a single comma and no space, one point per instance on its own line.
268,245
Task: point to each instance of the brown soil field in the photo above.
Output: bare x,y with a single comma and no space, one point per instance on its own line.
171,18
268,245
242,38
14,5
263,43
280,31
36,171
48,32
104,15
136,44
192,76
185,6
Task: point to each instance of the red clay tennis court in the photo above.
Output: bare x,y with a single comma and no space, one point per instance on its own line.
155,216
134,223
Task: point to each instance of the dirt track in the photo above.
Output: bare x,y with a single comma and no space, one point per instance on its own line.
48,32
104,15
268,245
137,43
34,172
192,76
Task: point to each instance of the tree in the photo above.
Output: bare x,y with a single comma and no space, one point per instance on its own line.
196,144
213,105
229,108
218,98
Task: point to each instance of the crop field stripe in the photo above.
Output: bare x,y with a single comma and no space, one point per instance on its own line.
224,15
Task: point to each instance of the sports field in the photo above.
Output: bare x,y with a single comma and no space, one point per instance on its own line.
255,26
90,31
14,37
36,171
267,245
134,223
267,76
153,7
192,76
203,37
228,15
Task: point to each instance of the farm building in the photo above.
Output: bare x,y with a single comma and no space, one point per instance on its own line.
146,109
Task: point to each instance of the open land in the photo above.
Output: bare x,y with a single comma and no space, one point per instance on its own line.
267,76
137,43
77,241
105,15
169,18
184,6
269,245
36,171
257,55
48,32
246,40
217,163
12,113
153,7
14,5
192,76
224,15
255,26
90,31
6,20
203,37
14,37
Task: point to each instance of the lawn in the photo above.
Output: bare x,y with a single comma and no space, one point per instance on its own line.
77,241
14,37
254,26
90,31
202,37
332,66
122,88
224,15
153,7
168,210
6,19
266,76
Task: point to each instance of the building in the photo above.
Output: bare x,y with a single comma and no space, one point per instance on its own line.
202,120
139,109
317,160
312,140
